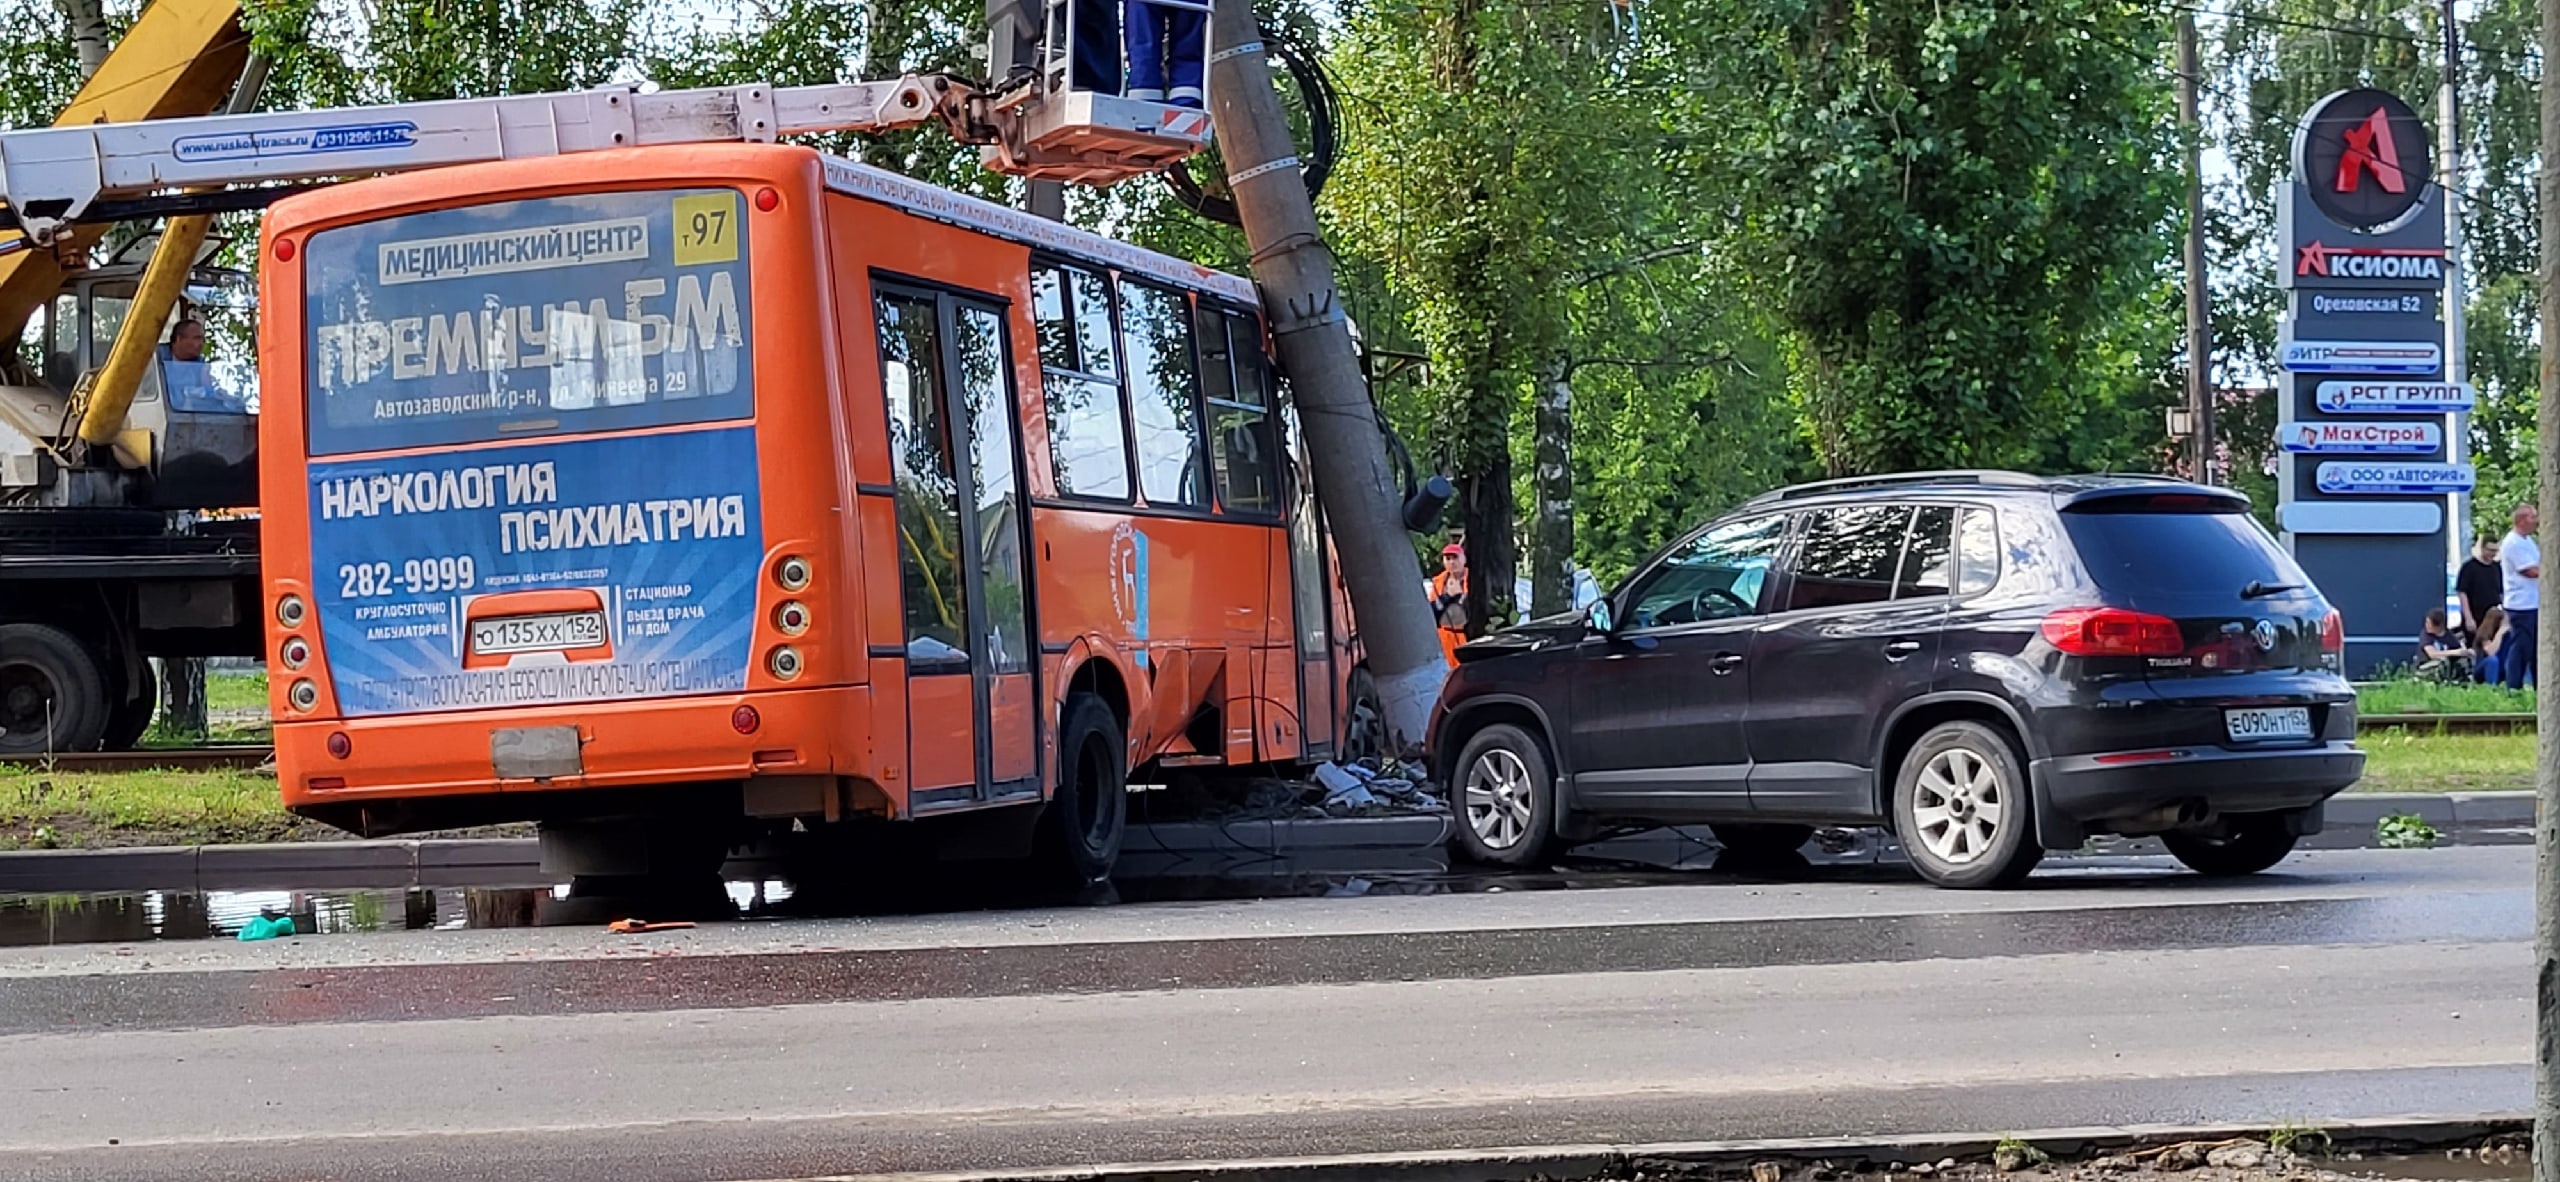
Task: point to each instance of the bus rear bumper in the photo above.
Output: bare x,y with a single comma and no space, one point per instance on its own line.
406,773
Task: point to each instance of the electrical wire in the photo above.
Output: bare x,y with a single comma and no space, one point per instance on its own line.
1323,107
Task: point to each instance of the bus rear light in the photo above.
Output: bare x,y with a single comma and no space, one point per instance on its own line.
777,758
784,662
792,573
296,652
303,695
767,200
744,720
284,250
290,611
792,618
340,746
324,783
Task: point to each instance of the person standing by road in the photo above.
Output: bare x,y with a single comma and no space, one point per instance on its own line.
2479,584
2520,561
1449,599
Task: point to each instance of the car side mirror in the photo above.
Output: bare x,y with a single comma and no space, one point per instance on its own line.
1598,619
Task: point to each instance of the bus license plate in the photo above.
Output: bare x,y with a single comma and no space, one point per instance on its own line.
2273,722
533,634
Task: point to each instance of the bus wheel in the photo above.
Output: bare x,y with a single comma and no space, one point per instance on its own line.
1080,831
52,695
1364,723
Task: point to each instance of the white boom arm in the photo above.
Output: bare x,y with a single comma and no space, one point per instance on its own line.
49,177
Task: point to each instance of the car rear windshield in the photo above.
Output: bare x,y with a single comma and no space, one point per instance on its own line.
2139,546
516,319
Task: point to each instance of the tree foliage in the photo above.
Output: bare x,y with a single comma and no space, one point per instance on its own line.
1952,204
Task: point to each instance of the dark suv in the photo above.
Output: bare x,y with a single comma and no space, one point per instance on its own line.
1990,664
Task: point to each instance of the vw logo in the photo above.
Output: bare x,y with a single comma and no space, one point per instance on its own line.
2266,632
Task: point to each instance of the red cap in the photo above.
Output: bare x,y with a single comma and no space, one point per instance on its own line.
1454,548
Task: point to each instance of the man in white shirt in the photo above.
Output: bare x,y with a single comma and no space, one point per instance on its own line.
2520,564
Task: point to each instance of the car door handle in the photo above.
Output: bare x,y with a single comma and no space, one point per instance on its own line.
1723,663
1900,649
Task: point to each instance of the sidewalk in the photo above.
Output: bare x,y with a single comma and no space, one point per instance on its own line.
1409,844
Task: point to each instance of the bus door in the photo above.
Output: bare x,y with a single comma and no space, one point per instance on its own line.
1308,584
972,713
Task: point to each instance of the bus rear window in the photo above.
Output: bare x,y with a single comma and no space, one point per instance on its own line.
521,319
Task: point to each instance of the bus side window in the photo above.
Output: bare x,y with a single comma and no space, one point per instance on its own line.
1088,448
1240,446
1155,333
927,481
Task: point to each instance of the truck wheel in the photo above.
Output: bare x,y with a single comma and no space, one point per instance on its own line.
1960,807
2245,845
52,696
131,718
1080,830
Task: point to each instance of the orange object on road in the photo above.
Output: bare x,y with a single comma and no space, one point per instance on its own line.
632,927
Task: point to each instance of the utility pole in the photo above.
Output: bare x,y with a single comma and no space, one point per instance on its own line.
2199,293
2546,771
1354,481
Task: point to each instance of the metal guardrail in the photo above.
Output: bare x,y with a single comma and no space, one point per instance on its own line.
185,759
2450,724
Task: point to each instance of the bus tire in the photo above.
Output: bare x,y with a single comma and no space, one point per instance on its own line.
131,718
53,697
1080,830
1364,719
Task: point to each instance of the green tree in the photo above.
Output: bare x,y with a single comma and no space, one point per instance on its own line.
1951,204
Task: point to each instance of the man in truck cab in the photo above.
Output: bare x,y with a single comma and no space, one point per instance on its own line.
188,379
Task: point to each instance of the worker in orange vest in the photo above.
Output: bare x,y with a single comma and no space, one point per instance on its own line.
1449,599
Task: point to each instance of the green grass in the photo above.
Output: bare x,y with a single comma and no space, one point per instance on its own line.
236,691
2410,761
2430,697
89,810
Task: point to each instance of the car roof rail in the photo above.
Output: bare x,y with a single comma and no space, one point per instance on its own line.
1995,477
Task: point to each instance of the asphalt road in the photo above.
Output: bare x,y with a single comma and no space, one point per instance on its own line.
2351,984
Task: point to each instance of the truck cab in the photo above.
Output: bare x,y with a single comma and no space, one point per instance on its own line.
190,440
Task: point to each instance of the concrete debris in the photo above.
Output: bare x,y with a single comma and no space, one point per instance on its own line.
2247,1155
2011,1158
2184,1156
2115,1164
1767,1171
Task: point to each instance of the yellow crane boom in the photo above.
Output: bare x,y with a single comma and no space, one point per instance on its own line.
181,57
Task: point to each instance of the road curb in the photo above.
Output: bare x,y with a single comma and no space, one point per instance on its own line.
1352,843
2448,811
1329,845
1579,1161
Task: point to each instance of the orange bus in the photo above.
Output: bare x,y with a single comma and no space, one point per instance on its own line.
669,495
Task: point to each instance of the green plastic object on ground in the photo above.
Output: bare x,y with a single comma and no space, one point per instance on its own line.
267,927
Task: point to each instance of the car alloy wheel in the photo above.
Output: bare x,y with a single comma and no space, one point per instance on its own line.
1959,805
1497,798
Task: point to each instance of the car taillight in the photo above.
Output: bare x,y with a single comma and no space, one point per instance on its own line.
2333,633
2113,632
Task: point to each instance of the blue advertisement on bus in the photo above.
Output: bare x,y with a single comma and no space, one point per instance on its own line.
558,571
520,319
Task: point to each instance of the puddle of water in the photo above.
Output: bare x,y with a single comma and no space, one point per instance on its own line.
2486,1165
27,920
